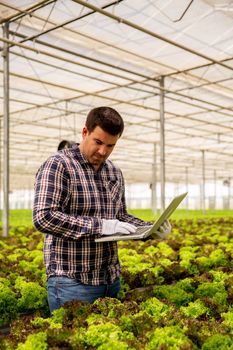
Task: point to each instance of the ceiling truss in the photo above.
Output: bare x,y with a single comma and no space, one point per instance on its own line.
67,57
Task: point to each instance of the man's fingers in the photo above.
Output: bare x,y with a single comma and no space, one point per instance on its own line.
164,229
126,228
166,226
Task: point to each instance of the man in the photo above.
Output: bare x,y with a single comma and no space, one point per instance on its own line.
79,196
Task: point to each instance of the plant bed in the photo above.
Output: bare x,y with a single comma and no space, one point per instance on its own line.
176,294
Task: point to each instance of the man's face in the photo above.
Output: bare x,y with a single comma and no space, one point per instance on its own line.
97,145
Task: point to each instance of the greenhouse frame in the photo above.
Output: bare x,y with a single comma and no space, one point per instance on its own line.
166,66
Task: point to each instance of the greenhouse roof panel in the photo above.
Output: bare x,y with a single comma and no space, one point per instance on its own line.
67,57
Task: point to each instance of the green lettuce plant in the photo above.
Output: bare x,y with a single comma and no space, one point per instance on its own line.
8,304
168,337
219,276
37,341
194,309
173,294
187,284
100,334
218,258
53,322
218,342
165,250
187,257
32,295
228,319
155,308
213,292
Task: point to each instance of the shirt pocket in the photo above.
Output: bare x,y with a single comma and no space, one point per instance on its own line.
114,189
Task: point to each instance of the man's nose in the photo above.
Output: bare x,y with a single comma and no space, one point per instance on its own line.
103,150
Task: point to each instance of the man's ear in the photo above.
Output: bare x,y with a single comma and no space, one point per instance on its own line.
84,132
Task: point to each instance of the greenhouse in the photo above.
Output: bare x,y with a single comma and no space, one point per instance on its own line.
166,67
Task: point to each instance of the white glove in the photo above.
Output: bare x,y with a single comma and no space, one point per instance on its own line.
110,227
164,229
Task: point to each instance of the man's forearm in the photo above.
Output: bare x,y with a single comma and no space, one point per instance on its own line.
65,225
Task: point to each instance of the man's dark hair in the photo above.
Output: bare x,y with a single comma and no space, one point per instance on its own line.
107,119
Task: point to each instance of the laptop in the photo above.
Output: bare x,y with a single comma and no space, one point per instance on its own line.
145,231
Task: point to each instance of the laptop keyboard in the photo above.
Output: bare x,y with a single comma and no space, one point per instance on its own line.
142,229
139,231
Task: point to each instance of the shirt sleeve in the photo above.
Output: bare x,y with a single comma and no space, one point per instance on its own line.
52,193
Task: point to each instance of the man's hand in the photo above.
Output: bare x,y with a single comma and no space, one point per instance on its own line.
110,227
164,229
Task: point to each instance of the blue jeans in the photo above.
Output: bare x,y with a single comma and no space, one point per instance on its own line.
62,289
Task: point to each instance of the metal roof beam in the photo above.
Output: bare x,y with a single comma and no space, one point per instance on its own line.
150,33
111,73
28,11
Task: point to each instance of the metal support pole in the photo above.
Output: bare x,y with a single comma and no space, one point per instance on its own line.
229,193
203,182
5,55
154,184
215,189
187,186
162,145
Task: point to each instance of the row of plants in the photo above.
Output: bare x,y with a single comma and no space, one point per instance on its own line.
176,294
22,274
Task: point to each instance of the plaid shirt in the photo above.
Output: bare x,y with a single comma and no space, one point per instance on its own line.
71,199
